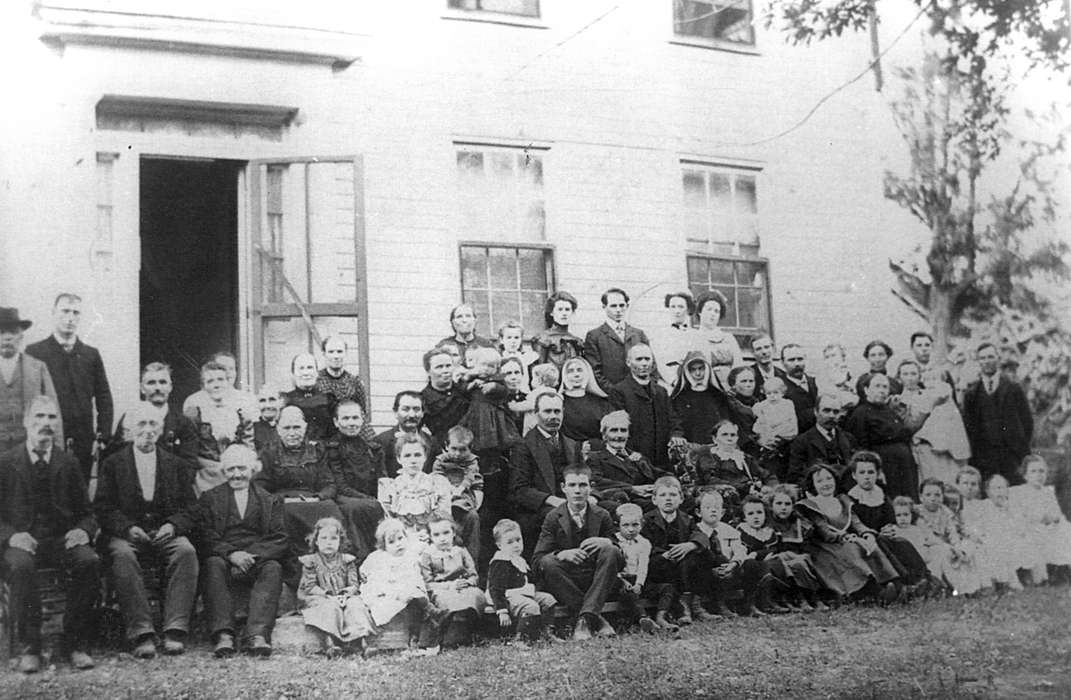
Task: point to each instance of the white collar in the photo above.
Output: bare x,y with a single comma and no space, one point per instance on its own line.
33,455
873,497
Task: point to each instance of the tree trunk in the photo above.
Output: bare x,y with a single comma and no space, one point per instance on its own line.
941,301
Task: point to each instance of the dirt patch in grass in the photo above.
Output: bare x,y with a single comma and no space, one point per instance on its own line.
1016,646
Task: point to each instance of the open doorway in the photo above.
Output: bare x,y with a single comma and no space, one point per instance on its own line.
189,264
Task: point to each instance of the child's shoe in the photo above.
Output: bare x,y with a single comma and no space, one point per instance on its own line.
694,605
685,618
664,623
720,608
648,625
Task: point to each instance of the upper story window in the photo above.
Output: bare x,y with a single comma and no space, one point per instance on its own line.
500,191
716,21
721,209
506,283
520,8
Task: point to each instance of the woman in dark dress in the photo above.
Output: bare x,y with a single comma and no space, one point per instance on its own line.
698,403
317,406
515,375
556,344
723,463
878,427
877,353
585,402
743,396
463,323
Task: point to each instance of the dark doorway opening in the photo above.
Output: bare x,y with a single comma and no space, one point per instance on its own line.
189,264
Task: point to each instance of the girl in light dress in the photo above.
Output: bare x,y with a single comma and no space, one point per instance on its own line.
1047,529
391,582
960,570
1000,536
414,497
331,607
449,573
940,445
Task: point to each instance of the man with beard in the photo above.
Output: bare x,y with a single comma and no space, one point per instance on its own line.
824,442
243,535
176,433
654,424
445,401
357,468
536,467
46,521
409,413
800,388
81,383
21,379
144,498
619,475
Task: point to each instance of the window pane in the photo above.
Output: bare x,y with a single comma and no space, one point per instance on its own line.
502,166
694,189
526,8
503,268
331,220
697,272
478,300
692,18
473,268
752,308
720,193
504,306
745,200
721,272
283,338
752,274
729,318
734,22
532,312
532,166
533,266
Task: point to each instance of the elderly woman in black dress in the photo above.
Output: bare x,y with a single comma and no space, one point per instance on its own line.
585,401
463,323
556,344
698,402
880,428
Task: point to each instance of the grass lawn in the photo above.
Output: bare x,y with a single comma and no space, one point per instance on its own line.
1015,646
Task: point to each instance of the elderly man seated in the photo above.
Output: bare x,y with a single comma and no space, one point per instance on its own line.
575,558
143,503
46,520
244,541
619,475
297,470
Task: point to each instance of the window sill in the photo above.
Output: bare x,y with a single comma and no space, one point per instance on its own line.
495,18
716,45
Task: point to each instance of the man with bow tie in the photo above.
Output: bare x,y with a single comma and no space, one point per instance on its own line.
824,442
605,347
46,521
619,475
21,379
144,501
997,417
81,383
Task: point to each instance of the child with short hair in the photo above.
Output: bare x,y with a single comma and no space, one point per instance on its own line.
449,573
391,582
936,553
933,514
733,568
514,597
669,529
794,571
775,426
1046,527
545,379
459,466
511,344
332,610
1005,548
637,552
489,416
795,533
414,497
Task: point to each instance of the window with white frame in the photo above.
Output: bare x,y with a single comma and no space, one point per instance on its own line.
522,8
506,283
500,191
722,232
716,21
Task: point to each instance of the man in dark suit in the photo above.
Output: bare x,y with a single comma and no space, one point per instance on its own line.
409,413
244,540
177,434
617,475
654,427
800,387
997,417
144,498
46,521
80,380
21,378
606,347
824,442
762,347
575,558
536,467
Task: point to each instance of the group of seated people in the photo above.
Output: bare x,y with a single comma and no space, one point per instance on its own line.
519,479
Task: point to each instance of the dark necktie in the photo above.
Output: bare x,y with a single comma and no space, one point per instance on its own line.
40,458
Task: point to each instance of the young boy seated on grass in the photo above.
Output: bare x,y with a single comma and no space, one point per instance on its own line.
637,552
511,593
670,531
732,569
461,468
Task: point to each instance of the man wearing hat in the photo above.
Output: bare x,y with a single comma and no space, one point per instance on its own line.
78,373
21,379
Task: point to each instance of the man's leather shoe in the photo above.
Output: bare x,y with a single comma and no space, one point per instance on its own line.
224,645
29,663
258,646
81,660
605,629
145,648
173,644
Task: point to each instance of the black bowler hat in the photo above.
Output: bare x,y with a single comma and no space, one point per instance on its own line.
9,318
